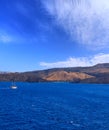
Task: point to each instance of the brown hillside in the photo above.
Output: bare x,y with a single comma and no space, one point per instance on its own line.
66,76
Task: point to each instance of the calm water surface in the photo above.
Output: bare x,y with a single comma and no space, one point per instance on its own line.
54,106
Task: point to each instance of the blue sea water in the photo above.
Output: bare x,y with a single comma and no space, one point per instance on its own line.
54,106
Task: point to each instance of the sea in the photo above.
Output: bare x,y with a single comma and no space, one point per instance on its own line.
54,106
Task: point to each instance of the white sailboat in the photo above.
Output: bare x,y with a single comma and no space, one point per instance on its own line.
13,86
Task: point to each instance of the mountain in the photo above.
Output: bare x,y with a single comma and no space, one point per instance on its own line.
93,74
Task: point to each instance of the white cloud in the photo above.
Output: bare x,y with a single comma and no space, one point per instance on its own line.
100,58
81,61
85,20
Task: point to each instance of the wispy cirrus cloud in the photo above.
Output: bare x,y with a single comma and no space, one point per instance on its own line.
79,61
4,38
10,38
86,21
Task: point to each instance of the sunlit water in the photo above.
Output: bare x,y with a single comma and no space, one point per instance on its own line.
54,106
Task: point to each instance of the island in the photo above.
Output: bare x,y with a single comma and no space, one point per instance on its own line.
93,74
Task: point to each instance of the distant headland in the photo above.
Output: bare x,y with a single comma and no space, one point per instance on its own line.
94,74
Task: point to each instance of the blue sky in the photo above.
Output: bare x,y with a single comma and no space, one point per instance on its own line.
41,34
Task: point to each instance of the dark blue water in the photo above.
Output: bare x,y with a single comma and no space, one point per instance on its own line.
54,106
